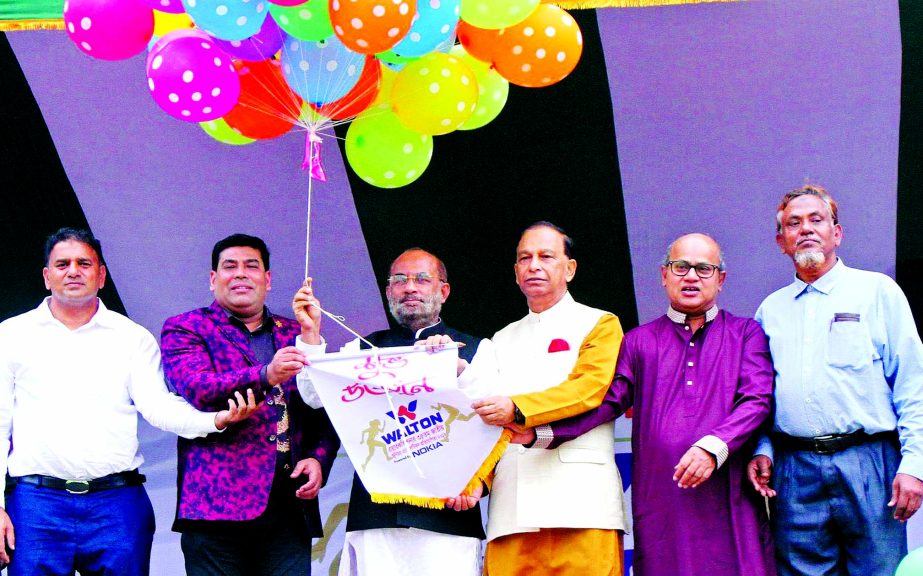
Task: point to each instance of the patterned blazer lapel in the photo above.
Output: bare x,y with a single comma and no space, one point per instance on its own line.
233,335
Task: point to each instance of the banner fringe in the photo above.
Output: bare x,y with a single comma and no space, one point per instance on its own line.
420,501
480,476
487,468
587,4
40,24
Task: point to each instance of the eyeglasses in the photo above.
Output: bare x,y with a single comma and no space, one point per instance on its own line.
420,279
703,269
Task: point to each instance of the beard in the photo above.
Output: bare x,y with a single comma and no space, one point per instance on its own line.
809,260
424,314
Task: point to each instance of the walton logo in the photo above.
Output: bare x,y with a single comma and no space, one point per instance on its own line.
405,413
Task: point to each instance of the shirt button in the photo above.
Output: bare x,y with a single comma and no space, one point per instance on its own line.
692,343
691,364
270,402
272,437
522,449
686,328
688,382
287,466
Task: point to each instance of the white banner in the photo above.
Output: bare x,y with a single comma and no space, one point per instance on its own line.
408,429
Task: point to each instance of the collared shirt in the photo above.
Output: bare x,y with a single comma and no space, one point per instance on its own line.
264,348
69,399
847,356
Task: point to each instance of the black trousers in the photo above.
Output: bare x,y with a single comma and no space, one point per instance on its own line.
277,543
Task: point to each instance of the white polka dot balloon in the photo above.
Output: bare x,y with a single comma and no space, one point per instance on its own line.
371,26
434,94
435,21
320,72
169,6
228,19
541,50
109,29
191,78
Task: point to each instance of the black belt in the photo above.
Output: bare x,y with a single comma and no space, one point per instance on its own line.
118,480
831,443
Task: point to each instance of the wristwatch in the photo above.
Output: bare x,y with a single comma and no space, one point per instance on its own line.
518,417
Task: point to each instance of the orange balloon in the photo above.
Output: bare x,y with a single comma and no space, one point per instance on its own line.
541,50
371,26
359,97
478,42
267,107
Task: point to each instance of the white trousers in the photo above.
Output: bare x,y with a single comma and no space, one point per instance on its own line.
402,551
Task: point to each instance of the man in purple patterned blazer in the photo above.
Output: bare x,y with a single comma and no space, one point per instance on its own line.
248,498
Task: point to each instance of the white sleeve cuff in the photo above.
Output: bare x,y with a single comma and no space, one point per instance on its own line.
311,349
543,436
715,446
305,386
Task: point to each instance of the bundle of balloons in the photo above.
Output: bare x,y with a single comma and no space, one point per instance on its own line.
248,70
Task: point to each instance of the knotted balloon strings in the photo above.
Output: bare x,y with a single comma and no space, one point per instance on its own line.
311,160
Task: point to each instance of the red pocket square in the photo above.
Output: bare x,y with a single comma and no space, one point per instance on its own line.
558,345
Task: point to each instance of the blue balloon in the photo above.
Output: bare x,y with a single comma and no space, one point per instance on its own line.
435,22
320,71
228,19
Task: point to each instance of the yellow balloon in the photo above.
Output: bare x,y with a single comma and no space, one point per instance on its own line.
385,85
166,22
434,94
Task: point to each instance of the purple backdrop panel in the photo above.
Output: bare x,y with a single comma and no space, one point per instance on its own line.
159,192
722,108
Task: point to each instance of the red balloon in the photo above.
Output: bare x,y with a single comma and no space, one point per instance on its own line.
371,26
267,107
478,42
359,97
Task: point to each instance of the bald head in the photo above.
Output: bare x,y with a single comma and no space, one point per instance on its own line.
693,273
417,288
693,237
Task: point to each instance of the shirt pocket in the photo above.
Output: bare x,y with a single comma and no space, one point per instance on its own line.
849,345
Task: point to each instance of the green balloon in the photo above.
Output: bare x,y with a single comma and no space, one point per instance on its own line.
390,57
493,90
308,21
220,131
495,14
912,564
383,152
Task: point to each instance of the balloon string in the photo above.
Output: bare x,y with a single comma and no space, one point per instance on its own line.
341,321
311,162
307,240
375,350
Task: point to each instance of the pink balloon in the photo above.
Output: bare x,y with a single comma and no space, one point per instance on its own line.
171,6
190,77
287,2
109,29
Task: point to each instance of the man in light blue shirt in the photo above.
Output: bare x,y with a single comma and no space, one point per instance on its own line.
845,454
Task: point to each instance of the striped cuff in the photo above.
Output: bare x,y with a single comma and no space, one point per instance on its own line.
543,436
715,446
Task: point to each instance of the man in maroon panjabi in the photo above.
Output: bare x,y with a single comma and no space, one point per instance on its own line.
699,380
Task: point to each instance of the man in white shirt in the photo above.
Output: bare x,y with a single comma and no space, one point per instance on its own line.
73,378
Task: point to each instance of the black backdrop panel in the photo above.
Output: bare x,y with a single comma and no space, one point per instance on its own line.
550,155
